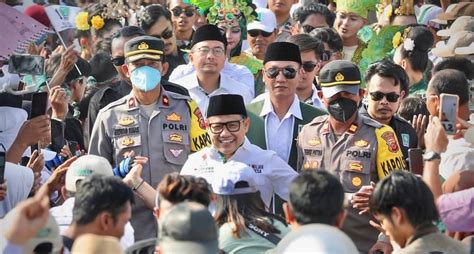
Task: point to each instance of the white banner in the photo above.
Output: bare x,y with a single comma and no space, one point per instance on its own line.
62,17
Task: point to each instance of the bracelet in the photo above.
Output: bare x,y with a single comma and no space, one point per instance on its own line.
138,185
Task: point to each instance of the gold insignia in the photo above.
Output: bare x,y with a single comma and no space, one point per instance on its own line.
356,166
173,117
143,46
356,181
126,121
314,142
353,128
314,165
339,77
128,141
306,165
176,137
361,143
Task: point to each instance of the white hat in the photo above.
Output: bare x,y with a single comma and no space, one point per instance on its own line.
226,178
443,21
11,120
85,166
266,21
46,240
463,23
468,50
447,49
315,238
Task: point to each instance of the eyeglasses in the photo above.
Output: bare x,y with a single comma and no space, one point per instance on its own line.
189,12
326,55
308,28
204,51
118,61
255,33
288,72
218,128
309,66
391,97
165,35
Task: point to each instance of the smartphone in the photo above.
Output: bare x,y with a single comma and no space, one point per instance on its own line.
39,104
415,160
2,166
26,64
73,147
448,112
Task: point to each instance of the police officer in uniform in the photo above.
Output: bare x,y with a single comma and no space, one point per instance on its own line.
353,147
228,123
163,126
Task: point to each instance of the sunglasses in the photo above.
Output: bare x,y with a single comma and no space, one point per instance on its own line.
391,97
165,35
288,72
118,61
309,66
218,128
308,28
255,33
189,12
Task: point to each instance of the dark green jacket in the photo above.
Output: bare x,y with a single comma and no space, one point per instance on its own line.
256,133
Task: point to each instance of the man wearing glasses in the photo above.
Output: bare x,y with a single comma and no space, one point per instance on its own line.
150,122
227,124
387,85
278,118
355,148
208,56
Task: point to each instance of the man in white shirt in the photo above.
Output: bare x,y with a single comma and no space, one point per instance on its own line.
208,56
227,125
277,119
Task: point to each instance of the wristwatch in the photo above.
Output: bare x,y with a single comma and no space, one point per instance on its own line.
430,156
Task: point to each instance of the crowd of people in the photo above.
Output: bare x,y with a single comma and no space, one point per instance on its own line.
239,126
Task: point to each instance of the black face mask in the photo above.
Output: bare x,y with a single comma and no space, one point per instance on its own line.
342,109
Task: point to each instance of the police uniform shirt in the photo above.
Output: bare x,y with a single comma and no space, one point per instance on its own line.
275,173
366,152
226,86
279,133
406,135
174,129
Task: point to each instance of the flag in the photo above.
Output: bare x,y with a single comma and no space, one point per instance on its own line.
62,17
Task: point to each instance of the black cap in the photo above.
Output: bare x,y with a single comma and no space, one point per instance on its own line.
338,76
83,66
144,47
226,104
282,51
208,33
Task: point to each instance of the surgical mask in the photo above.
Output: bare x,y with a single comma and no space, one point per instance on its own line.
342,109
145,78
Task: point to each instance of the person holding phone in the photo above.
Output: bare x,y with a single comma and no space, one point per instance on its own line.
460,153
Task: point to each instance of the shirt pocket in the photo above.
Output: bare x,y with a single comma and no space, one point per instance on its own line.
355,174
176,146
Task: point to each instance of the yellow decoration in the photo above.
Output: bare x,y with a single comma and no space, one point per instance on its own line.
81,21
397,39
356,181
97,22
339,77
143,46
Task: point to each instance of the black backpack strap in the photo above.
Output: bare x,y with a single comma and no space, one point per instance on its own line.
268,236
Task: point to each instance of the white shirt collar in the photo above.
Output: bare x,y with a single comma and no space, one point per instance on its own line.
294,109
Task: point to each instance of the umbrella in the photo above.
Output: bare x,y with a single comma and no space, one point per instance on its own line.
17,31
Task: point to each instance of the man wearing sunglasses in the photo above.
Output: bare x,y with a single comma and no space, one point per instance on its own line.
151,122
184,16
278,117
227,124
355,148
387,84
311,16
208,55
